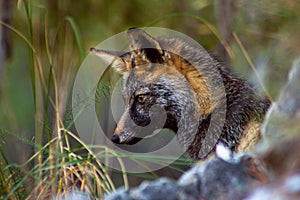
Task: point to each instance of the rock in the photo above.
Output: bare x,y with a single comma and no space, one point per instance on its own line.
281,129
161,189
225,179
283,157
212,179
282,119
287,188
119,194
280,148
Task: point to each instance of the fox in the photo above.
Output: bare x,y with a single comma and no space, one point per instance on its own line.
187,91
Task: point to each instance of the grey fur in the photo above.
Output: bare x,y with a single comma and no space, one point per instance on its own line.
235,102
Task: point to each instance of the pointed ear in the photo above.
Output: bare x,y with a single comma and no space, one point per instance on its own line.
119,60
140,40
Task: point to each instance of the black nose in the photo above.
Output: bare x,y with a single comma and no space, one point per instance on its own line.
115,139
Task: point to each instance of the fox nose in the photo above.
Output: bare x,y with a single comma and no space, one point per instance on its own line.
116,139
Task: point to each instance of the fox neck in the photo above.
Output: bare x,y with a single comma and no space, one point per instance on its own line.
183,116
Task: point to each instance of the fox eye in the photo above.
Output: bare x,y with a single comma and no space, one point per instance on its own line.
140,98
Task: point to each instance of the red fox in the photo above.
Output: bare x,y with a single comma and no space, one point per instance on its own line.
190,86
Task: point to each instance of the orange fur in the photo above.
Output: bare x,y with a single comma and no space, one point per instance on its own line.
250,137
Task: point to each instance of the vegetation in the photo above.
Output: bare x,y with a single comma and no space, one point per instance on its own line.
45,43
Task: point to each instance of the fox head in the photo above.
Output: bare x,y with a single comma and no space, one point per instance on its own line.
160,88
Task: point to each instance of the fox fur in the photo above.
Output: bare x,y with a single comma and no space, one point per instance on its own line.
203,100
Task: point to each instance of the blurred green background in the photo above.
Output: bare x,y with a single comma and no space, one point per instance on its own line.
44,42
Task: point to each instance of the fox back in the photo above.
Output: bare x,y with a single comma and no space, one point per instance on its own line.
169,83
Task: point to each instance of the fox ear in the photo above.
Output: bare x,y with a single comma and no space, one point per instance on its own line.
148,45
119,60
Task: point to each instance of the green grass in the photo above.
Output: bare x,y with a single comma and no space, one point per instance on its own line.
54,167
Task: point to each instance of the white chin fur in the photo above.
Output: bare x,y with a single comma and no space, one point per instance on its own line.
223,152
